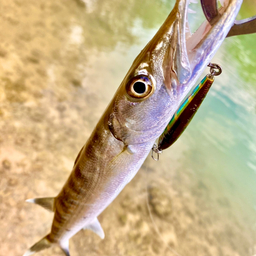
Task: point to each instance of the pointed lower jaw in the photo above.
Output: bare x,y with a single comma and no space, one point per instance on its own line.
204,43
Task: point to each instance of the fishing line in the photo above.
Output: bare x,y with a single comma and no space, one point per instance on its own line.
155,226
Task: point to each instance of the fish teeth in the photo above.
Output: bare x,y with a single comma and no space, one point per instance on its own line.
191,2
188,31
191,11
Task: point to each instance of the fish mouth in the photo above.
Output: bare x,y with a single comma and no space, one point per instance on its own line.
191,53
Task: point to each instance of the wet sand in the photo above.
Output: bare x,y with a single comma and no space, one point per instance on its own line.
48,109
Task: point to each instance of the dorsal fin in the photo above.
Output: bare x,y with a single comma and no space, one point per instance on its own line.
46,202
78,155
96,228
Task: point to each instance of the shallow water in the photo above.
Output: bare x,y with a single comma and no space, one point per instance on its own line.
61,63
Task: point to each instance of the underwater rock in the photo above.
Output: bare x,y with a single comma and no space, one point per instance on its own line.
6,164
160,202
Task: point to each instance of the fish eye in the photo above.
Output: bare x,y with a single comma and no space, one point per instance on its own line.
140,87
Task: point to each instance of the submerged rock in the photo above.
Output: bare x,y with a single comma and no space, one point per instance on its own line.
6,164
160,203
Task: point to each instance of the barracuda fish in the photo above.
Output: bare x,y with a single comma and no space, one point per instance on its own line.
157,82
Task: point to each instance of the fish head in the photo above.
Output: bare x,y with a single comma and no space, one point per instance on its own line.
165,71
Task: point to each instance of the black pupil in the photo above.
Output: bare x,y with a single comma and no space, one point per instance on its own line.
139,87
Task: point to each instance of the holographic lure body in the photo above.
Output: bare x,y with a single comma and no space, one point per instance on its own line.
186,111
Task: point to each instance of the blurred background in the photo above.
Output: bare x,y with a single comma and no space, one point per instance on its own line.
60,64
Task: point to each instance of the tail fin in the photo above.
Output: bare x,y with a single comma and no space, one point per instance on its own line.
44,243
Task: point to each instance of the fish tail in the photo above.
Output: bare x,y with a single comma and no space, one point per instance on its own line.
45,243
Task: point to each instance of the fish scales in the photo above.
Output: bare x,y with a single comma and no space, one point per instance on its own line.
82,189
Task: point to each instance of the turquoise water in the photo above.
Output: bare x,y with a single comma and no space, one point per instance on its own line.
226,122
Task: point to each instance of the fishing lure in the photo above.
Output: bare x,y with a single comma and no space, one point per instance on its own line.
185,112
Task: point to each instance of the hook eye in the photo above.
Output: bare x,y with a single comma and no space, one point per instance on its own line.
215,69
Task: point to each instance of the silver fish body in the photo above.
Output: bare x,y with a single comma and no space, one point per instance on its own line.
167,67
100,173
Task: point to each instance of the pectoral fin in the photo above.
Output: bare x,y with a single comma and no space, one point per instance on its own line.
46,202
64,245
96,228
